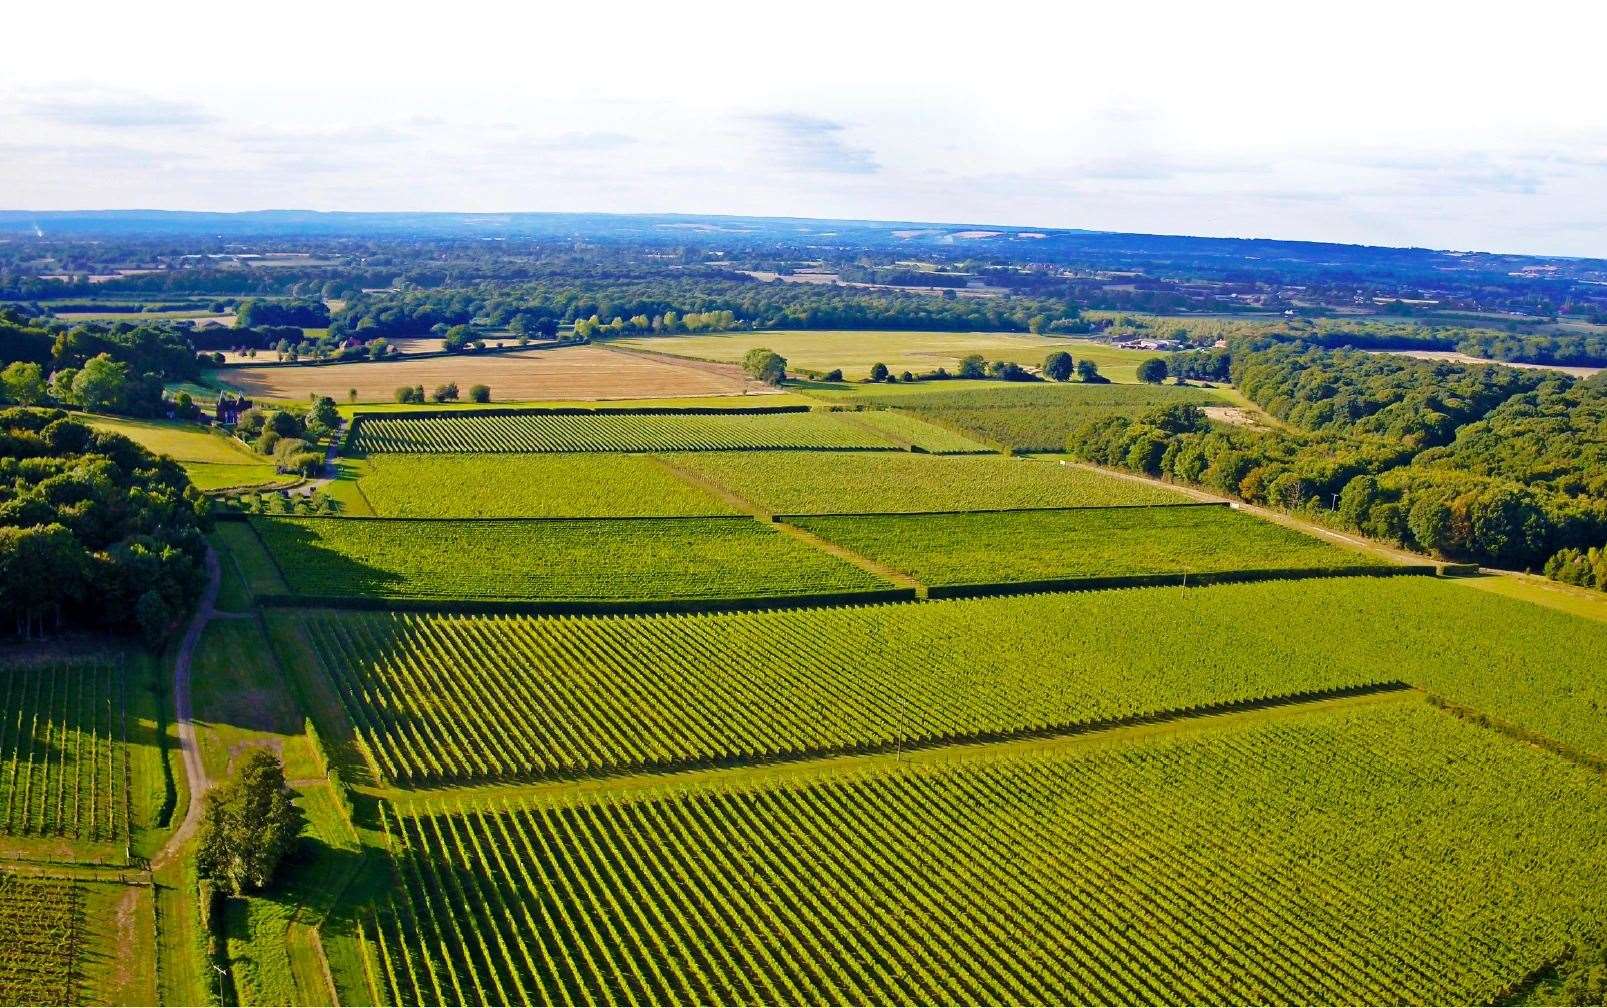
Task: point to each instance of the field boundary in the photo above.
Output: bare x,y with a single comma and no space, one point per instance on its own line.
482,519
667,769
397,357
1178,580
999,510
1473,715
589,607
359,414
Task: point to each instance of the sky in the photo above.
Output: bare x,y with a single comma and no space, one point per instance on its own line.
1456,125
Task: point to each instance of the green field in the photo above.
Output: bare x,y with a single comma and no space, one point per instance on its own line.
916,433
600,559
608,432
854,351
1319,857
960,548
186,442
64,764
535,486
41,931
437,697
1022,417
840,482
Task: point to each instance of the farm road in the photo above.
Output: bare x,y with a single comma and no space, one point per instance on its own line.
182,713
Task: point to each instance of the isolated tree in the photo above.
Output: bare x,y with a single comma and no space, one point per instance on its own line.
973,366
285,424
351,395
445,393
1058,366
878,372
404,393
835,374
764,364
480,393
250,424
248,826
325,413
23,382
1152,370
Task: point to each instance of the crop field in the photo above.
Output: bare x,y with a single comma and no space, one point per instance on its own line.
41,938
534,486
845,482
854,351
572,372
926,437
1319,857
185,442
63,765
614,432
961,548
599,559
1023,417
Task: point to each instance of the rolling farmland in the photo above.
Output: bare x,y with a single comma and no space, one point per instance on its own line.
63,764
599,559
772,685
536,486
920,435
1028,417
868,482
980,548
613,432
1321,857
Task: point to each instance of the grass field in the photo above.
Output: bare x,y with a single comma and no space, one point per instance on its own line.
954,549
534,486
916,433
574,372
854,351
665,558
837,482
613,432
1023,417
186,442
1308,858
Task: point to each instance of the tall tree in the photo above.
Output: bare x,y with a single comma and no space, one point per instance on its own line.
249,825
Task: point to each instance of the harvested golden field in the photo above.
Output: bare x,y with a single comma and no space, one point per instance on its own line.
576,372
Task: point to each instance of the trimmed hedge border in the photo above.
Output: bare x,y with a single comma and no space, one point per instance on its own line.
388,359
1201,579
581,607
437,414
530,519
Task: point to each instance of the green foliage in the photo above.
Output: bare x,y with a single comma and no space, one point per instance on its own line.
89,522
1586,568
1058,366
554,485
101,385
659,558
42,932
612,432
763,364
480,393
1153,370
878,372
23,383
972,366
248,826
962,548
1088,372
828,482
1327,857
924,436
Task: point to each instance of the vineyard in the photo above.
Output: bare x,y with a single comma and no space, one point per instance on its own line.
904,428
1030,417
41,933
535,486
600,559
839,482
1323,857
961,548
443,698
613,432
63,762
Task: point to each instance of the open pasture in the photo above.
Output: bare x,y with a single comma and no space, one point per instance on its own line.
614,432
185,442
851,482
1318,857
551,560
984,548
555,485
63,761
1023,417
571,372
854,351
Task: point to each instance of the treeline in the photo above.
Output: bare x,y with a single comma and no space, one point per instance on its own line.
302,313
1480,463
95,531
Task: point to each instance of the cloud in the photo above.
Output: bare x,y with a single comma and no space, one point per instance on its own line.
119,112
806,143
